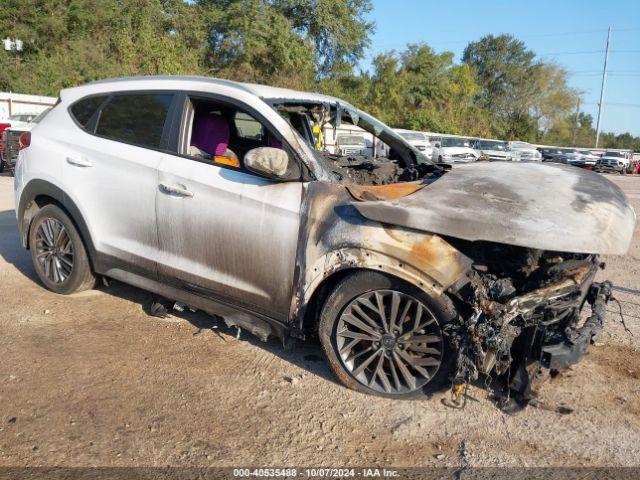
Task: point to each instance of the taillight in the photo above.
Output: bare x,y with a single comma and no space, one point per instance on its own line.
24,140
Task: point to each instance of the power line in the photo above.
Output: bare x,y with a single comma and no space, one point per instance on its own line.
604,79
615,104
585,52
631,105
520,37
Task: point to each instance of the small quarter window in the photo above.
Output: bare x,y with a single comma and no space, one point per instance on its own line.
83,110
135,118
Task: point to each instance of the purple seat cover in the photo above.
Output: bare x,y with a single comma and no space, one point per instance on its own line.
211,134
274,142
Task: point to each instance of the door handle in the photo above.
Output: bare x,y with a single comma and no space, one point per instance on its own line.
179,191
79,161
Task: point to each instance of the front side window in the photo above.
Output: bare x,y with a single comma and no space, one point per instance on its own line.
223,134
136,118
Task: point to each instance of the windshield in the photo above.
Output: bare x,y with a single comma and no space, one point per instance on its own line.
489,145
22,117
521,145
455,142
413,136
351,140
383,155
614,154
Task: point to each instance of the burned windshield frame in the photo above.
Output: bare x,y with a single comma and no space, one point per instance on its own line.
405,153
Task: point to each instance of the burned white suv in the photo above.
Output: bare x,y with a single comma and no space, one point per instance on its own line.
215,194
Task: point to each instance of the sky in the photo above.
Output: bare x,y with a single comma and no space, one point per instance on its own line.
571,33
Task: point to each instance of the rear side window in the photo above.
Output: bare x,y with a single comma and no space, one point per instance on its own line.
83,110
135,118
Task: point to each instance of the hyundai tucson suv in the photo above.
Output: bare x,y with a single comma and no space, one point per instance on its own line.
215,194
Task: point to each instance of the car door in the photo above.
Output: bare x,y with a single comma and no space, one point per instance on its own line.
112,172
227,233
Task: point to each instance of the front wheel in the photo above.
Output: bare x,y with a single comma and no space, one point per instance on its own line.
57,251
385,337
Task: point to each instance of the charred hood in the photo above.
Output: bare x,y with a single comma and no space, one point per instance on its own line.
533,205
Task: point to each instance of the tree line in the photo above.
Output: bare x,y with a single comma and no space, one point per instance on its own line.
499,89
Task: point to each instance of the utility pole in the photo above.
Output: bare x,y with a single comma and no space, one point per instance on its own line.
576,125
604,78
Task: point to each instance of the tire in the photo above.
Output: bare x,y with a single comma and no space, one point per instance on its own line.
342,302
2,164
58,252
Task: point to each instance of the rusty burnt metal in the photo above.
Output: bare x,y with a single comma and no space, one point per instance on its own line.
390,191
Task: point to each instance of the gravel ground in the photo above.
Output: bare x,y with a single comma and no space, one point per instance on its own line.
91,380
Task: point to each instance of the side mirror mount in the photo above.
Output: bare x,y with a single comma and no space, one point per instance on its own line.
268,161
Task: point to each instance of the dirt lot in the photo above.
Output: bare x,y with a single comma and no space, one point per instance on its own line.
93,380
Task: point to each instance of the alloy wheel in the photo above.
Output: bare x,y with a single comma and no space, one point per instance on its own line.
54,250
389,341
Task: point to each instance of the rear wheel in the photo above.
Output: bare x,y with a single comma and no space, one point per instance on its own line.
57,251
384,337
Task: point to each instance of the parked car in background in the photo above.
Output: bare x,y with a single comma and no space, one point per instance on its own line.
580,158
525,151
551,154
351,144
492,150
454,150
419,140
615,161
11,138
19,119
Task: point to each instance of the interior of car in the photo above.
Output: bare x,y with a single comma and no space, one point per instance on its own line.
223,134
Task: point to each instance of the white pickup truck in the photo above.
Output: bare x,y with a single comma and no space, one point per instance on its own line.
614,161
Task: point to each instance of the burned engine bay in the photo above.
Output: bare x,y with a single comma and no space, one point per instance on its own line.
524,315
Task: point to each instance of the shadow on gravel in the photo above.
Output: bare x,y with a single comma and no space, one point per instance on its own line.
10,249
307,355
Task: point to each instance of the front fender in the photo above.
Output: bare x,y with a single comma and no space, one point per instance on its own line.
335,237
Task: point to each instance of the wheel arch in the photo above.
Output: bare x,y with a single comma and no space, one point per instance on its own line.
38,193
344,265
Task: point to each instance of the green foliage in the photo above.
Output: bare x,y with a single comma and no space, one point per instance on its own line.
338,29
522,94
417,89
251,41
75,41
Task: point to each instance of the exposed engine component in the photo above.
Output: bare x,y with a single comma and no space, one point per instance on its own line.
528,320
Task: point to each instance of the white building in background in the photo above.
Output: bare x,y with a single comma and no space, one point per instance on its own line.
12,103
